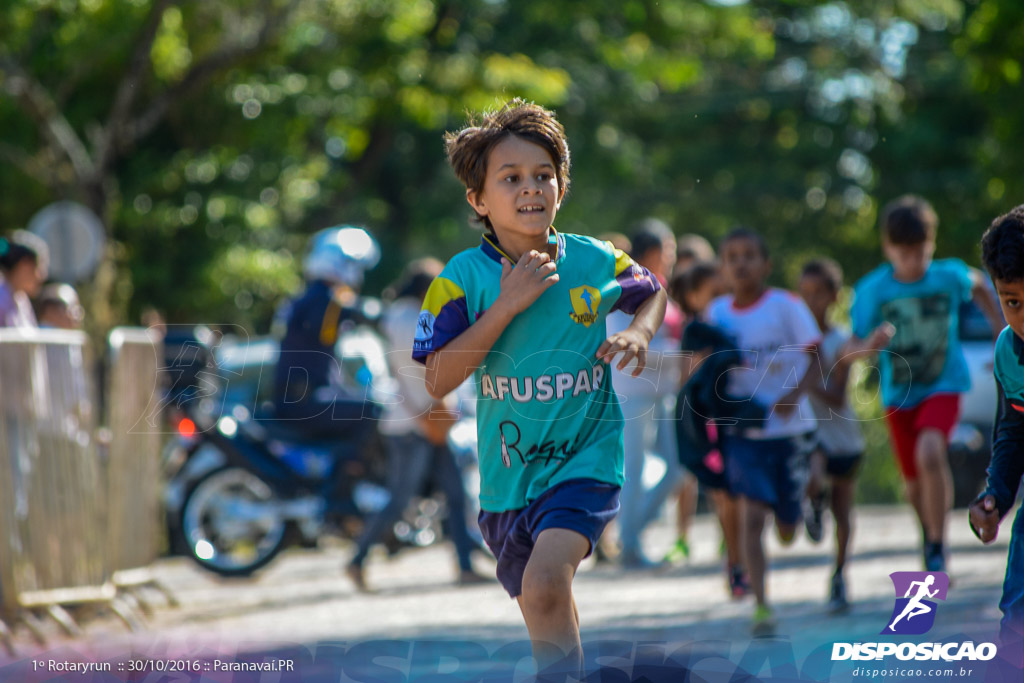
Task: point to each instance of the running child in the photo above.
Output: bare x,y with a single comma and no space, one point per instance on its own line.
1002,250
693,289
525,312
923,370
840,444
766,465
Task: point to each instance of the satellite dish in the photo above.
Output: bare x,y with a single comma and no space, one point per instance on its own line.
75,237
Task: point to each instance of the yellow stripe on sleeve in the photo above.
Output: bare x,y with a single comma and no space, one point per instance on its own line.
442,290
622,261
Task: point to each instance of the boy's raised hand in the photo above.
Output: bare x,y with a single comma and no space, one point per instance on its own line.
632,343
880,337
523,283
984,518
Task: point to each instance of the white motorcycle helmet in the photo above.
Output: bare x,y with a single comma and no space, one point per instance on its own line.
341,255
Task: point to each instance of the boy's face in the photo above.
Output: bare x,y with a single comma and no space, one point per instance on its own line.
817,294
909,261
1011,301
520,195
743,264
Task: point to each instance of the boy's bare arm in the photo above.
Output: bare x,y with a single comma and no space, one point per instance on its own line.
984,300
1005,471
633,340
787,404
521,285
857,347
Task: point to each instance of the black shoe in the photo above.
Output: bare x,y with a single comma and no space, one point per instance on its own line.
837,602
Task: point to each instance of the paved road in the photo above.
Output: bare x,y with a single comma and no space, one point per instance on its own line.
304,609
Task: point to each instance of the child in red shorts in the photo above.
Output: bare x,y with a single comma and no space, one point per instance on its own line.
923,369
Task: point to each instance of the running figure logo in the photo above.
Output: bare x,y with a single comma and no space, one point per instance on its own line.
914,613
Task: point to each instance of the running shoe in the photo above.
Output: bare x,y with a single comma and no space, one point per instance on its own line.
814,508
739,586
355,574
934,557
679,552
764,622
837,594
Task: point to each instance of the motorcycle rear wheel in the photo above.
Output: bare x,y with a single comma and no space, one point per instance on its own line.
231,547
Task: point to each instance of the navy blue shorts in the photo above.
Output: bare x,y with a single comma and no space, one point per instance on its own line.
843,465
581,505
769,471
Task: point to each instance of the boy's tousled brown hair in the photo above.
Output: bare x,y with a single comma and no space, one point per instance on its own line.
469,148
909,220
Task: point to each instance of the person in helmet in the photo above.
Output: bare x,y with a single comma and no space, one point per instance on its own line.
307,386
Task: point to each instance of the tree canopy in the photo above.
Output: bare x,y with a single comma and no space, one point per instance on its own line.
213,138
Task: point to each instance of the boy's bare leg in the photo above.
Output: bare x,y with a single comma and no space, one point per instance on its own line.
935,482
816,478
752,518
686,504
913,487
727,509
842,505
547,603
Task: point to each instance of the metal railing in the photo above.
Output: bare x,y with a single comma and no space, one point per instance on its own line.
75,511
50,476
133,466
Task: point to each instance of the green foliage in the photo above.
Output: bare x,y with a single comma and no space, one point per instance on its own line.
281,117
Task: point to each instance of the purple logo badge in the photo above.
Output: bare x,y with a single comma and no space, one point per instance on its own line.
914,612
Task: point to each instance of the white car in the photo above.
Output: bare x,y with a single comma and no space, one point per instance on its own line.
970,443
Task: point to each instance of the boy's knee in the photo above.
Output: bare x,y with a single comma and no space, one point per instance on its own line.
545,592
787,532
931,450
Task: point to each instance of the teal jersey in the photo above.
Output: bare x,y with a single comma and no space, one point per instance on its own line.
924,357
546,410
1007,466
1009,366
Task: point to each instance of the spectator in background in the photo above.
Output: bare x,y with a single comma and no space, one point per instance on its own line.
648,404
58,307
23,265
618,240
690,249
415,430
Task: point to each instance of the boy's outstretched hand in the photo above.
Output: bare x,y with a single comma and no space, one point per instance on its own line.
880,337
984,518
523,283
632,342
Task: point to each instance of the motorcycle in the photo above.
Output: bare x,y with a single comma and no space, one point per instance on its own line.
242,486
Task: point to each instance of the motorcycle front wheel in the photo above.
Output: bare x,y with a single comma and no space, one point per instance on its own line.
229,523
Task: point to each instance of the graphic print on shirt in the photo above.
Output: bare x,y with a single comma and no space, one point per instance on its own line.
922,337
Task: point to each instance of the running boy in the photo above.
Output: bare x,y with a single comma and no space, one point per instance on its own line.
526,313
766,466
1002,250
840,444
923,371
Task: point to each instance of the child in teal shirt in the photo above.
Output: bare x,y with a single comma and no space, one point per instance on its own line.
1003,253
525,313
